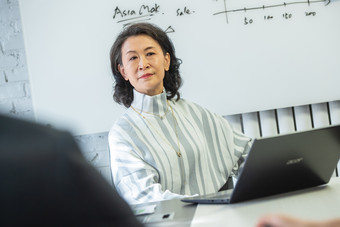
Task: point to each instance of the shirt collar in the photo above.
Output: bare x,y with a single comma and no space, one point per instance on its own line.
156,104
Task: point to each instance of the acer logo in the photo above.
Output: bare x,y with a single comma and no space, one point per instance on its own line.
294,161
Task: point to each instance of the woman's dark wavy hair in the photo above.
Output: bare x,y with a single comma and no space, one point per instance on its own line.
123,90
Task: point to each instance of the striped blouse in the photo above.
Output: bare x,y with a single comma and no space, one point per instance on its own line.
161,149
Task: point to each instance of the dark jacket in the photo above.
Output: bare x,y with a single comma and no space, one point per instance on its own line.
45,181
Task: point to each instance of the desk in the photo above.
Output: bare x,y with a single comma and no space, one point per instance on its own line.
183,213
315,203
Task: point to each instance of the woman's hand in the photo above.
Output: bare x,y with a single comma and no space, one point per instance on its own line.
280,220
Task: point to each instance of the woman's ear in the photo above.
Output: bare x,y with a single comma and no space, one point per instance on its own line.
167,61
122,72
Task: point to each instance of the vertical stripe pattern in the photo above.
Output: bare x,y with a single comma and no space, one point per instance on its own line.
144,143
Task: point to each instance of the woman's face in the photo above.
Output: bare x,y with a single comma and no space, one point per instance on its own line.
144,64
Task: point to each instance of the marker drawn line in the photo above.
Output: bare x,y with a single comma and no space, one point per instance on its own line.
134,18
225,9
132,22
271,6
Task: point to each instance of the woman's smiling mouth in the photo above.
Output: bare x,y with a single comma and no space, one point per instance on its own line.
146,75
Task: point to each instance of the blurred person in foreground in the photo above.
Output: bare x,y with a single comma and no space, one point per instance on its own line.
46,181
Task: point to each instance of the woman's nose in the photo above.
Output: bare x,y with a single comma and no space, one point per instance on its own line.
143,63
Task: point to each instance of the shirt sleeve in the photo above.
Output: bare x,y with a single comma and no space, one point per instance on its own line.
135,180
240,146
244,153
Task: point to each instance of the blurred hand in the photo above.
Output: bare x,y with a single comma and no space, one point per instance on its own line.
280,220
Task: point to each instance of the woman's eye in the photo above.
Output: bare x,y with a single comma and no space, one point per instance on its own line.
133,58
150,53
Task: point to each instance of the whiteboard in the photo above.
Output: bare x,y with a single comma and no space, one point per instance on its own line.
238,55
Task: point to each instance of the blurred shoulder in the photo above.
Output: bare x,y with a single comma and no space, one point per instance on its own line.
11,126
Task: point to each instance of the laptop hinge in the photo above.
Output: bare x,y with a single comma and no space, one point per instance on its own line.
228,185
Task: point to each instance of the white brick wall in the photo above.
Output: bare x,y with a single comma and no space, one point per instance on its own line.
15,96
95,150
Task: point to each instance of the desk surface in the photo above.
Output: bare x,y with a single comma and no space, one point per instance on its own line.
183,213
315,203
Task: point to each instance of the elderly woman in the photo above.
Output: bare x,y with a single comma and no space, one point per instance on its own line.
163,146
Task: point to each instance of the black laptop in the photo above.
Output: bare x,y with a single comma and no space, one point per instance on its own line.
281,164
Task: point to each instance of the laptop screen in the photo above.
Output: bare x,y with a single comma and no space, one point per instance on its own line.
288,162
